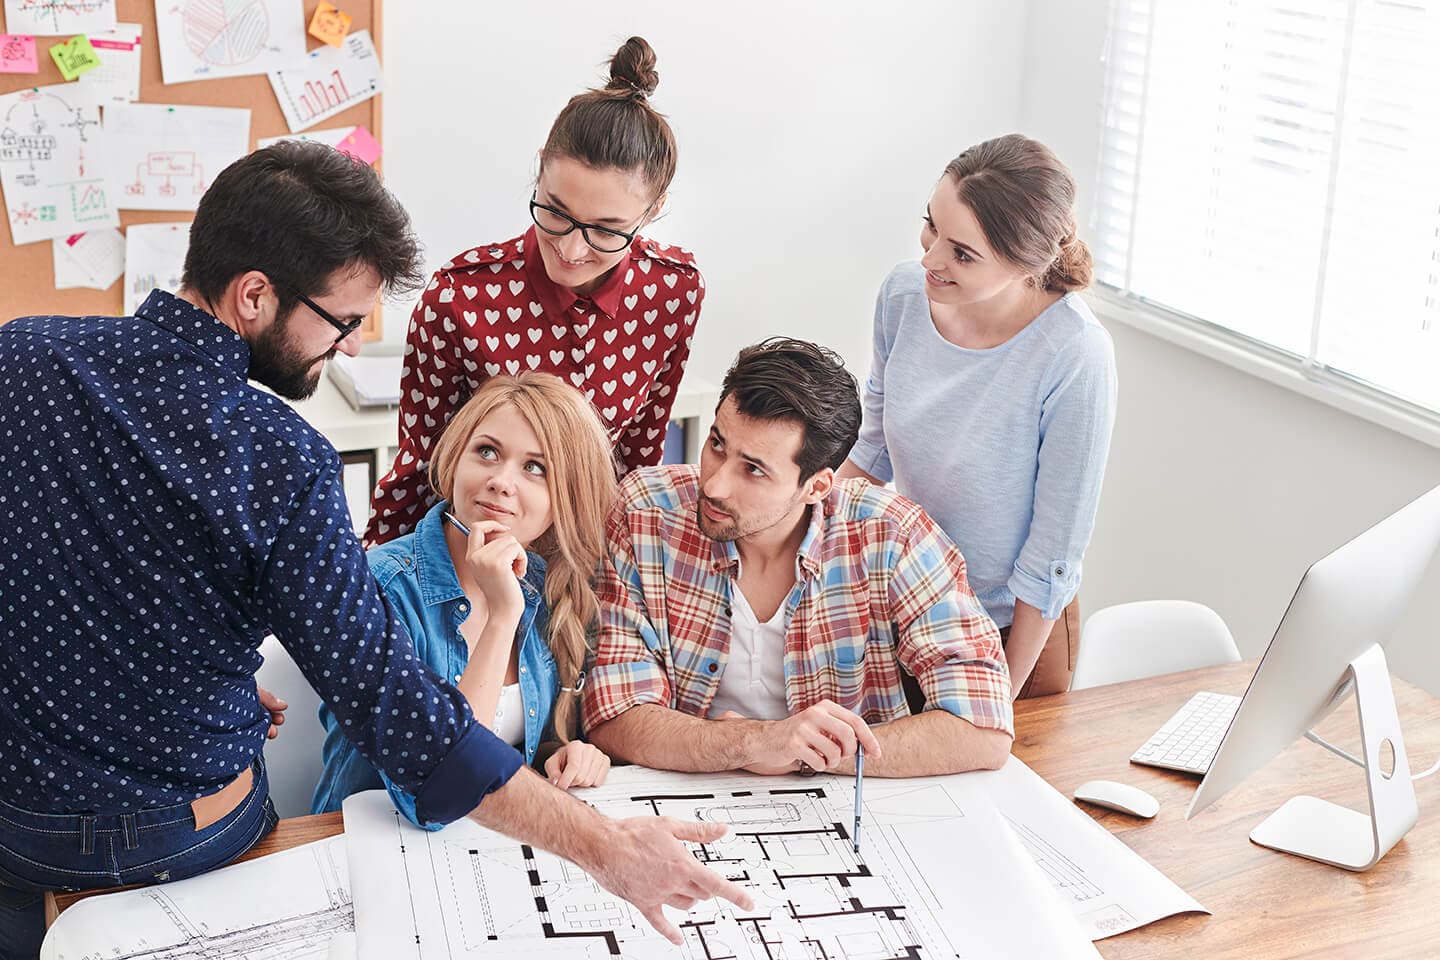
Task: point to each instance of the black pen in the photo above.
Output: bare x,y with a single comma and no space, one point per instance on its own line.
859,782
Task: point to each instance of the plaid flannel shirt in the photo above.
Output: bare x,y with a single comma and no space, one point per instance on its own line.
879,587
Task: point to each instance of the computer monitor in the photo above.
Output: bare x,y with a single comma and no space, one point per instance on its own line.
1346,606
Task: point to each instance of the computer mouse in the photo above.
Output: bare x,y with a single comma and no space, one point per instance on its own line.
1118,796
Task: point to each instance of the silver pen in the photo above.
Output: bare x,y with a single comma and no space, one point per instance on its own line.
859,783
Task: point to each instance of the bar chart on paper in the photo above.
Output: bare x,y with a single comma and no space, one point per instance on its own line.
330,81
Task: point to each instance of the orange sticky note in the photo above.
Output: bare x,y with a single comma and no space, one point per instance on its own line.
330,24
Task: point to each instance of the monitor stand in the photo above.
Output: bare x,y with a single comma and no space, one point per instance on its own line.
1320,830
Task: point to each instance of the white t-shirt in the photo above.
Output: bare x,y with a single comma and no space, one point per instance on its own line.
509,722
753,683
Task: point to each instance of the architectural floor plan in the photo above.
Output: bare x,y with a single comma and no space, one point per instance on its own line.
466,892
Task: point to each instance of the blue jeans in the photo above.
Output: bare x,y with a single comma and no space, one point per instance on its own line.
42,851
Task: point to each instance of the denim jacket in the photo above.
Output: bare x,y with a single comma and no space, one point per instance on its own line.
418,578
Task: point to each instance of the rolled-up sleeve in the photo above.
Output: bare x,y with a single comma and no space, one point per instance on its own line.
1076,421
628,669
946,640
323,603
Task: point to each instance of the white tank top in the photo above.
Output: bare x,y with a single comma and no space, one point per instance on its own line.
509,722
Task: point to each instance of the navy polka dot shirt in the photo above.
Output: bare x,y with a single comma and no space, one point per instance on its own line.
158,516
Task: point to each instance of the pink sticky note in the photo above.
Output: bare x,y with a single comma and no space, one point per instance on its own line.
360,145
17,54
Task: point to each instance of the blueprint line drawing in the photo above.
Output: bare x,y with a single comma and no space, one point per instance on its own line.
465,892
287,905
790,847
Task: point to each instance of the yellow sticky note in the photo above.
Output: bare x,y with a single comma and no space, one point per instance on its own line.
330,24
75,57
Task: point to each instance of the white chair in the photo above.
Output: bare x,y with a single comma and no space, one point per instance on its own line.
292,759
1147,638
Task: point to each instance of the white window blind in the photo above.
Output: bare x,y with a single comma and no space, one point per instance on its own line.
1274,168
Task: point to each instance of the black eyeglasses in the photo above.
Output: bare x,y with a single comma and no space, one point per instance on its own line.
603,239
345,328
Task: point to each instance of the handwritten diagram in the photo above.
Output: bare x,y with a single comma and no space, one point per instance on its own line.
51,165
163,157
209,39
329,81
54,17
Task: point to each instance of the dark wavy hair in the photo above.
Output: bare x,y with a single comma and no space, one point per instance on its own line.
298,211
805,383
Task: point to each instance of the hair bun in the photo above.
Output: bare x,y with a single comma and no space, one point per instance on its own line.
632,69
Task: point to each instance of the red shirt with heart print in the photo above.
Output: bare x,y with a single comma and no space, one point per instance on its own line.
493,309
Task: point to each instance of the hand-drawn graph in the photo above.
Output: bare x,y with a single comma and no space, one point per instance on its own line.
51,165
55,17
293,903
154,257
208,39
166,173
329,81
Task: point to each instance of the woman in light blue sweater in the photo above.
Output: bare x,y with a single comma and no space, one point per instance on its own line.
991,394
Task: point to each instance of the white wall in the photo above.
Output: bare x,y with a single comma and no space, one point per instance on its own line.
1222,488
810,136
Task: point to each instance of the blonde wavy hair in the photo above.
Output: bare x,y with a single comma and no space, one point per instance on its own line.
580,475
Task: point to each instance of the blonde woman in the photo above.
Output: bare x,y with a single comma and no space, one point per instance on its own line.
502,610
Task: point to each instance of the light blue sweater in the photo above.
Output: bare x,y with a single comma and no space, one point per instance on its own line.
1004,447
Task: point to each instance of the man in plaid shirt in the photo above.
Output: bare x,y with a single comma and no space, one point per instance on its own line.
758,612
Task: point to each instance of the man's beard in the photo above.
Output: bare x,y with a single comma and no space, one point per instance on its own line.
729,530
277,364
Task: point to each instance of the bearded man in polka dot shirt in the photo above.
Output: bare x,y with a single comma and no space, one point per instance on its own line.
159,516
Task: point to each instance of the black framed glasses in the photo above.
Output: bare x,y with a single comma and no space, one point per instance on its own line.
603,239
345,328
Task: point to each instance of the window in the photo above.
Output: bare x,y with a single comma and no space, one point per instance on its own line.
1274,168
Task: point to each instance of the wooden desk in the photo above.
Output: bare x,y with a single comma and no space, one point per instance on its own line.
1265,904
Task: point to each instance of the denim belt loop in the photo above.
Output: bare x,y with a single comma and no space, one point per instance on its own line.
132,835
87,835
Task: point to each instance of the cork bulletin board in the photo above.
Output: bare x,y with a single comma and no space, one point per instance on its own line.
27,282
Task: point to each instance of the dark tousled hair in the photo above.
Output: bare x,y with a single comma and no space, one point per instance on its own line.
297,211
615,127
803,382
1024,200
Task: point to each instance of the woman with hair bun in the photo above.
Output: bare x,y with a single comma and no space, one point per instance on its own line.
991,395
580,294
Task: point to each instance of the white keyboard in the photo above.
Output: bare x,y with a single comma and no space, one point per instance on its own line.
1188,740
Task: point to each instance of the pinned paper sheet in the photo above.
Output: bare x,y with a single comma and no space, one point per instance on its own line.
164,157
329,82
95,259
154,257
118,78
17,54
75,57
352,141
53,172
53,18
330,25
211,39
